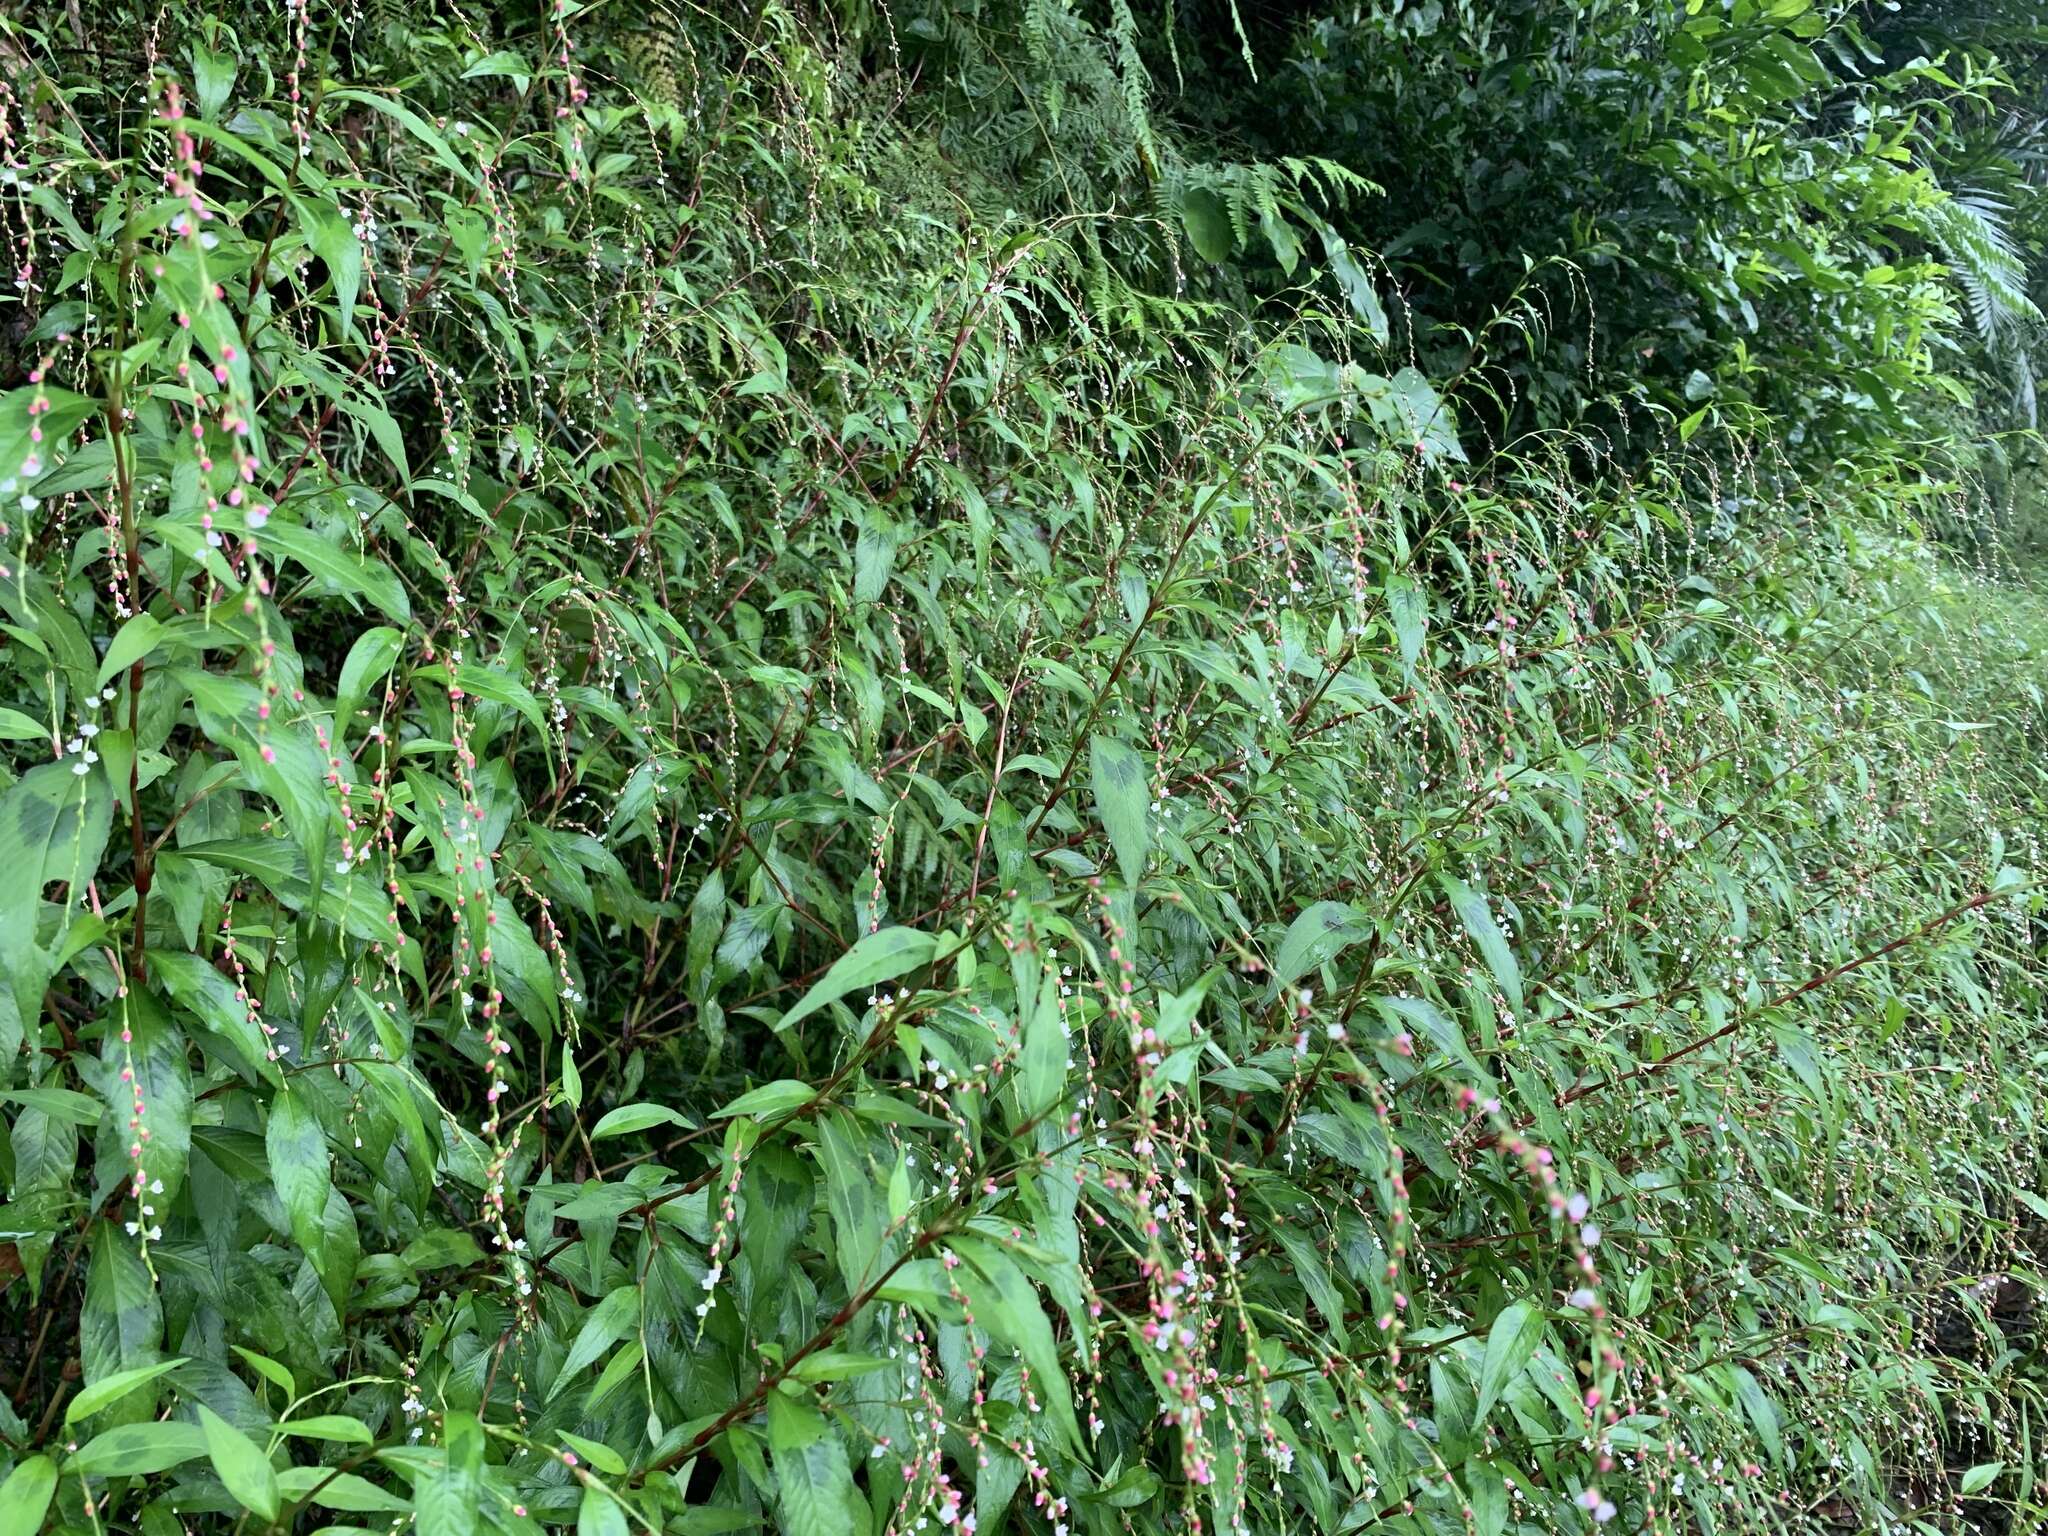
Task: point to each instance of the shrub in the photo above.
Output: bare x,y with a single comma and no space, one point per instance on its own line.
705,834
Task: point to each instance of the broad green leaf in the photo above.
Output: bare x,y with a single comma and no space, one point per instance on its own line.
137,1450
838,1365
300,1168
1980,1477
411,121
277,1375
53,826
136,639
1316,937
1760,1410
1207,222
603,1326
347,570
113,1388
448,1496
1006,1303
333,239
25,1496
212,78
599,1514
1357,285
1487,1492
597,1453
442,1248
1510,1345
121,1327
854,1197
369,659
1474,913
1122,799
813,1479
65,1104
769,1100
628,1118
878,957
247,1472
1409,609
344,1491
338,1427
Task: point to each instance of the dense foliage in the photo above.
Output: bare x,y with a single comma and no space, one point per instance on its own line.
1022,766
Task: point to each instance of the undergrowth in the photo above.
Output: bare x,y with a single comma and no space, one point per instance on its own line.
714,823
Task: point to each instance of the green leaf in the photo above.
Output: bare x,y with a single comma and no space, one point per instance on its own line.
1005,1303
1762,1412
838,1365
1207,221
769,1100
1317,936
212,78
628,1118
277,1375
1042,1069
1357,286
53,826
1412,414
1408,607
137,1450
65,1104
598,1454
1122,799
136,639
15,726
301,1169
1487,1492
603,1326
333,239
413,124
1980,1477
337,1427
510,65
115,1387
853,1198
1478,920
347,570
599,1514
121,1327
441,1248
369,659
1510,1346
448,1497
25,1496
246,1471
813,1480
878,957
340,1490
